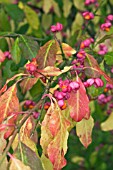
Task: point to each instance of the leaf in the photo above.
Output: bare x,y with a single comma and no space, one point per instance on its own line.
27,84
46,21
79,4
46,163
2,56
93,70
4,23
105,37
109,58
47,6
47,54
28,47
54,135
37,89
2,142
84,131
54,71
14,11
67,4
68,50
16,52
8,103
16,164
4,164
28,157
32,17
79,103
107,125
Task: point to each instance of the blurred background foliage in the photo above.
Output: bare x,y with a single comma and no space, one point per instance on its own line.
33,18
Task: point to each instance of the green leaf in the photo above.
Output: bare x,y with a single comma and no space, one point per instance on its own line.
46,21
104,38
14,12
4,23
79,4
67,4
16,52
109,58
46,163
37,89
28,47
32,17
28,157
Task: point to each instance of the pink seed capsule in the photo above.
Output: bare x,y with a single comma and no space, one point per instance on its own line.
90,81
60,103
36,115
98,82
74,85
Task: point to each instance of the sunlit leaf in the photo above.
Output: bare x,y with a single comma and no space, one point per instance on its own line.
47,54
16,164
4,164
84,131
32,17
54,136
79,103
53,71
46,21
107,125
68,50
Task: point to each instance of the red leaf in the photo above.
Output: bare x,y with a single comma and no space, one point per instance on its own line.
47,54
2,56
93,70
79,103
54,136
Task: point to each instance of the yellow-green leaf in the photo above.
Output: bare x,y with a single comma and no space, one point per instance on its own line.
107,124
16,164
67,4
84,131
32,17
79,4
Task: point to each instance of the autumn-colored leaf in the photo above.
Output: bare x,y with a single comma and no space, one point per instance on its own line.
79,103
16,164
47,54
84,131
8,103
2,56
4,88
2,142
54,136
92,69
53,71
68,50
27,84
107,125
28,156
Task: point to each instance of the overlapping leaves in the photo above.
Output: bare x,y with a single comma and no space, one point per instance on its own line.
54,134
